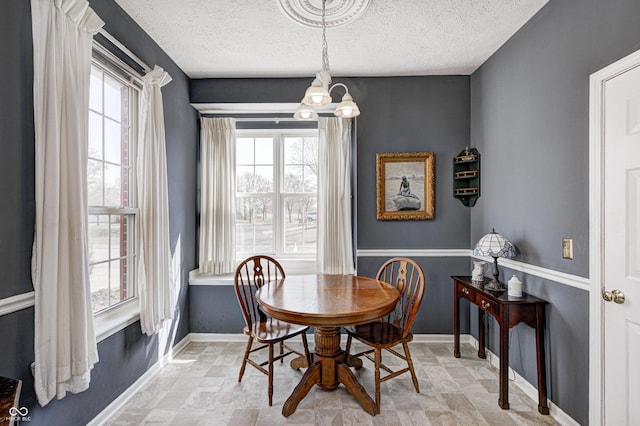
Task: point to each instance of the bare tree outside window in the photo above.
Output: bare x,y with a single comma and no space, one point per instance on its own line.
276,193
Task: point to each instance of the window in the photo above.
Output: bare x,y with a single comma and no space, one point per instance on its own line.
113,110
276,193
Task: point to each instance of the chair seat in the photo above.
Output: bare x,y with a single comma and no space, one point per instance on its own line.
378,334
273,330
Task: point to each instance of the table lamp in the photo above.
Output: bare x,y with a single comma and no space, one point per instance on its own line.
494,245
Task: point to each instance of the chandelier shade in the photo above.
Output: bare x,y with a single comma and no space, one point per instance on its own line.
347,108
305,112
319,93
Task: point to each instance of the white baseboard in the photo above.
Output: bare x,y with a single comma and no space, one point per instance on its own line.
105,415
531,391
218,337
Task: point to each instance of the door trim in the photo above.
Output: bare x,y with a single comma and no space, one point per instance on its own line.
597,83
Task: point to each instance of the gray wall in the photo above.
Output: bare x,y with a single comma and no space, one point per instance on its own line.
399,114
526,110
529,119
126,355
17,209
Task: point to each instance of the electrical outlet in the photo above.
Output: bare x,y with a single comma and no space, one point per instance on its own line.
567,248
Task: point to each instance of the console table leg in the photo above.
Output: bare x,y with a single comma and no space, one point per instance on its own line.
543,408
481,352
503,397
456,322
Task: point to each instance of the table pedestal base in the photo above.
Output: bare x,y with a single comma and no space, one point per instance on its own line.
328,371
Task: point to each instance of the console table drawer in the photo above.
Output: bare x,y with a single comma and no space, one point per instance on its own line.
507,311
467,293
486,305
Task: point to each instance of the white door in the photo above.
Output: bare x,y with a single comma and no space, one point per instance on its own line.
621,286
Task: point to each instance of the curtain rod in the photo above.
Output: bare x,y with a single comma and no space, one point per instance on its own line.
124,49
275,119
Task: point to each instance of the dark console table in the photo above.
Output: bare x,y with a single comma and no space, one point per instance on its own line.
9,401
508,311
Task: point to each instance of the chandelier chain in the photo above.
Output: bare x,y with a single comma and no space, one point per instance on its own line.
325,46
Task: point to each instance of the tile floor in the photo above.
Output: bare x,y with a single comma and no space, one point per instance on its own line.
200,387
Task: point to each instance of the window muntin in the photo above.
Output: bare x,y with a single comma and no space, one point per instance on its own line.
276,193
110,187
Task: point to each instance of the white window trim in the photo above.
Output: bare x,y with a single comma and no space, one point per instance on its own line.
291,267
293,264
111,320
117,317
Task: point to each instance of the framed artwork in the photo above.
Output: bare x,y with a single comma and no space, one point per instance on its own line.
405,186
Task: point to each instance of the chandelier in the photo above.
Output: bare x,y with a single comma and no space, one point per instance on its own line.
319,93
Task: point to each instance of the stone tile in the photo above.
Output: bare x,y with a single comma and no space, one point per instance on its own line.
146,398
432,401
326,400
328,418
498,418
412,417
484,401
244,417
200,387
173,400
442,418
491,385
302,417
159,417
387,418
472,418
458,402
192,417
442,350
203,399
129,417
271,416
356,417
459,372
527,418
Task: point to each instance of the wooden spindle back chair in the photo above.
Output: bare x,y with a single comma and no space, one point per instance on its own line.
394,329
251,274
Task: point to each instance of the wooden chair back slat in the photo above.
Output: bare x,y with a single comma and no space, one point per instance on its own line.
249,277
407,276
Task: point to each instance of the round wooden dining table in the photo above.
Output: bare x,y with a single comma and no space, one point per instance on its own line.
328,302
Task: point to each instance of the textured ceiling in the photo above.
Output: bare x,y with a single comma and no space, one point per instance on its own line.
254,38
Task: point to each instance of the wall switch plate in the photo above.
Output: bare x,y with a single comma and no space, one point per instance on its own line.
567,248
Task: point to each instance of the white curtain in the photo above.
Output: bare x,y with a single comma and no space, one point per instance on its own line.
157,295
64,343
217,203
335,247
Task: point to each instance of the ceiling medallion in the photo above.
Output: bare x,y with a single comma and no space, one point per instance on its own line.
309,12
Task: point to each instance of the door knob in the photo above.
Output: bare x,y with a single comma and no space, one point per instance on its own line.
615,296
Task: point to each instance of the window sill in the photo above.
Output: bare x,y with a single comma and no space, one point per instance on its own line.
291,267
115,319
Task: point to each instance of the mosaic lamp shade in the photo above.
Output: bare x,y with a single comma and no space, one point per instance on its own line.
495,245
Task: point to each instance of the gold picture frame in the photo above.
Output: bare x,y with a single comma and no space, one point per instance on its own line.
405,186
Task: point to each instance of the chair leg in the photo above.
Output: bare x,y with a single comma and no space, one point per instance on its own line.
246,356
378,361
270,374
281,351
407,354
347,348
307,354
